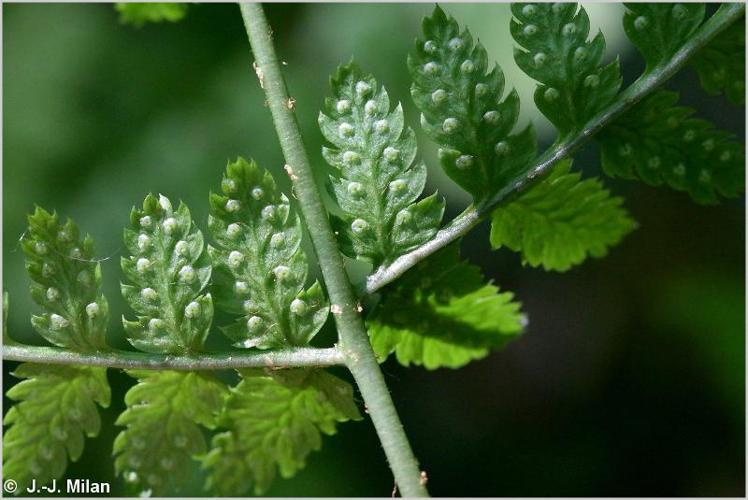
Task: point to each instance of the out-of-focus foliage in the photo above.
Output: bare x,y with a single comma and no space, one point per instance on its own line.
139,14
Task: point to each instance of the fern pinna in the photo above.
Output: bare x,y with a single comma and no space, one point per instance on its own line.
257,409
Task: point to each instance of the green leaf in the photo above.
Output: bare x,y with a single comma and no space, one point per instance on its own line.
66,282
163,419
659,30
375,184
260,266
721,64
273,420
6,338
443,314
139,14
660,142
574,85
169,268
462,109
56,408
560,221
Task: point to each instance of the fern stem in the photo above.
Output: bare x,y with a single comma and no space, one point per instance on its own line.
646,84
354,343
286,358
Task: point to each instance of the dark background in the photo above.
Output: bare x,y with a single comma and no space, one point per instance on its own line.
630,378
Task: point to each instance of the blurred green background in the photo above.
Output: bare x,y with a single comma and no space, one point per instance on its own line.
630,378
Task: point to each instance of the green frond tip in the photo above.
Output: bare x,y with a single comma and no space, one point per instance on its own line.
66,283
169,270
55,411
659,30
721,64
660,142
574,85
463,111
375,183
138,14
272,421
560,221
442,313
165,414
261,268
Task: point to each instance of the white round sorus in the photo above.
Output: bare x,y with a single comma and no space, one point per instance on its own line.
450,125
725,156
467,66
57,322
64,237
53,294
143,242
529,10
705,177
591,81
679,11
241,288
233,230
355,188
438,96
233,206
282,273
182,248
679,170
391,154
268,213
254,323
351,157
40,248
501,148
464,161
551,94
539,59
298,307
235,259
148,294
84,278
164,203
345,130
343,106
92,310
530,30
48,270
689,135
481,89
708,144
455,44
381,126
228,185
370,107
568,29
430,68
641,23
398,185
169,225
146,221
403,217
142,265
430,46
187,274
257,192
580,54
363,88
131,476
76,253
192,310
492,117
277,240
358,226
654,162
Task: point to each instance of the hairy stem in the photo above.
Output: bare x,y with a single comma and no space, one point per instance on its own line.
286,358
354,343
646,84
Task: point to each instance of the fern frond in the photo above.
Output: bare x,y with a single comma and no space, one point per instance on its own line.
560,221
169,268
138,14
721,64
273,420
260,266
66,282
376,184
660,142
462,108
555,51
